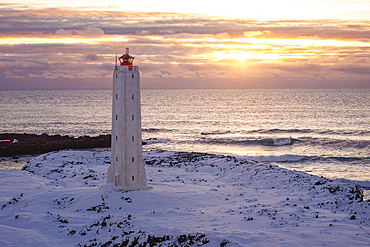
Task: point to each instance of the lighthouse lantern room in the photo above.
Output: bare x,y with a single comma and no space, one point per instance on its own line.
126,59
126,171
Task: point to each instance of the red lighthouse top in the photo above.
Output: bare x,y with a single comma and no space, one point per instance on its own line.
126,59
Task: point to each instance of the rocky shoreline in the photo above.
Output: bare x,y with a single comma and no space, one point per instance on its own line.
22,144
197,199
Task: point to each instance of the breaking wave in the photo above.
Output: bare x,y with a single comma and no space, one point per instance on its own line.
215,133
314,131
307,141
153,130
297,131
336,143
289,158
243,142
279,158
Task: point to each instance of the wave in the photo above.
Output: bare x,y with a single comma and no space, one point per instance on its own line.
243,142
286,158
282,141
276,131
290,158
328,132
295,131
154,130
155,140
331,143
276,142
215,133
335,143
346,159
364,184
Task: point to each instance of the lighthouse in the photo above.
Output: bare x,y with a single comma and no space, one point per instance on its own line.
126,171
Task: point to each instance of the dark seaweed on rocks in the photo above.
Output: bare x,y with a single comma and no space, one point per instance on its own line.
37,144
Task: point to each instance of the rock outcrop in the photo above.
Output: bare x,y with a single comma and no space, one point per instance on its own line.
21,144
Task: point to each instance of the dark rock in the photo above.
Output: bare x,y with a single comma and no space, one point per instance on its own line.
37,144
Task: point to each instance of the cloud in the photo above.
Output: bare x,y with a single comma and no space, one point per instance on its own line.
85,32
354,69
256,34
69,22
93,58
77,44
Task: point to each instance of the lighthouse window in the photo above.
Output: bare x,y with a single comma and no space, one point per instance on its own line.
133,159
133,138
116,158
116,77
116,138
132,117
132,96
133,178
116,96
132,75
116,117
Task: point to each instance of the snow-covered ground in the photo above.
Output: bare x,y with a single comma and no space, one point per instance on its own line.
60,199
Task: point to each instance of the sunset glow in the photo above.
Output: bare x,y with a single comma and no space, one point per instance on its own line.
265,9
170,41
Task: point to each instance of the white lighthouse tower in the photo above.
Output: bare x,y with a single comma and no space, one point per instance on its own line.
126,171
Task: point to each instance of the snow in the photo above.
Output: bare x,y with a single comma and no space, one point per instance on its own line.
61,199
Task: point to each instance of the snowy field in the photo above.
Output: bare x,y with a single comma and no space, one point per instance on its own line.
60,199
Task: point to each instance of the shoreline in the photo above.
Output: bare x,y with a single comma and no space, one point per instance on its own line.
32,145
207,198
15,155
29,144
14,144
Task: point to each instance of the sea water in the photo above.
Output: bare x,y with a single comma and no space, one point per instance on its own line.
322,132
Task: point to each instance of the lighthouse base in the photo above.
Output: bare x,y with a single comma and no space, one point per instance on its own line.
128,188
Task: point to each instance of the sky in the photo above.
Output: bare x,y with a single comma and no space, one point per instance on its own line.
186,44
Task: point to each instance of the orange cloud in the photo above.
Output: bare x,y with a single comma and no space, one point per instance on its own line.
46,44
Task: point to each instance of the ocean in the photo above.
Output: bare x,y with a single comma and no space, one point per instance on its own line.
321,132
